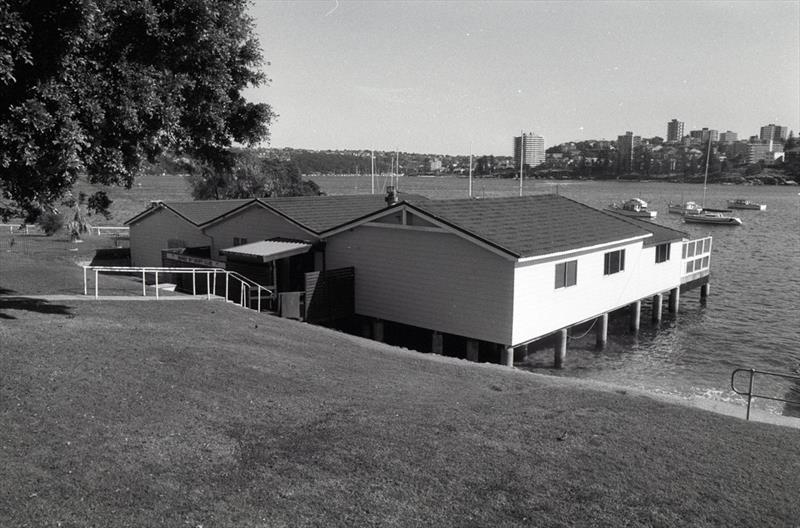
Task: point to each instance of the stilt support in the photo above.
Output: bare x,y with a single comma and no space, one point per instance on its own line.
657,301
602,330
507,356
636,312
377,330
674,300
437,343
472,350
705,289
560,351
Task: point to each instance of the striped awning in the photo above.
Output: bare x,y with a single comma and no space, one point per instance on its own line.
267,250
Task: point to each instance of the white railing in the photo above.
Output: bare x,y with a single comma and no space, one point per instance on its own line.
696,256
16,227
246,286
109,230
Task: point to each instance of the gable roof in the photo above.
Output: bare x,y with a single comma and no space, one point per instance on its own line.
323,213
314,213
661,234
531,226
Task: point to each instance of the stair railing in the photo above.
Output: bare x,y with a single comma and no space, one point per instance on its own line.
750,392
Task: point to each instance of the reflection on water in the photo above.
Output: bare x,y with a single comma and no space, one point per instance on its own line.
751,320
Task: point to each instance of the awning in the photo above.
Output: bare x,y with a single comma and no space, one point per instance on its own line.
267,250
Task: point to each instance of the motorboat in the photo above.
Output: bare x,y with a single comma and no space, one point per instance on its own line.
635,207
685,208
741,203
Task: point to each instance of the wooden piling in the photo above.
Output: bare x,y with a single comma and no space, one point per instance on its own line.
437,343
657,301
377,330
636,311
472,350
602,330
507,356
705,290
560,349
674,300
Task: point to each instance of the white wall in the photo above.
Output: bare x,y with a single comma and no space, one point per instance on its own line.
433,280
254,223
152,233
540,308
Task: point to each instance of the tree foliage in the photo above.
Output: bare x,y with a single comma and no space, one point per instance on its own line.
246,175
100,86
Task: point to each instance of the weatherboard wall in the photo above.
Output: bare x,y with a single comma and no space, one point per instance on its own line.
427,278
254,223
541,309
154,232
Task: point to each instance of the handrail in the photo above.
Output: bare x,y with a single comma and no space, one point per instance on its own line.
246,284
750,394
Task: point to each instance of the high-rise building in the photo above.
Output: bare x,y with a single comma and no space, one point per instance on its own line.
674,130
772,132
728,137
625,146
532,148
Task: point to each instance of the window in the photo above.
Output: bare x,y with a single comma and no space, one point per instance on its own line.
239,241
662,253
566,274
614,262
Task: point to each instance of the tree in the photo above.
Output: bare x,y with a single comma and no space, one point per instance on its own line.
249,176
100,86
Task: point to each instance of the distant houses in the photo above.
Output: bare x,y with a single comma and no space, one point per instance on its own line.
479,278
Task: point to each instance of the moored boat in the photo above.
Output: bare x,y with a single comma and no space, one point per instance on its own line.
711,218
741,203
685,208
635,207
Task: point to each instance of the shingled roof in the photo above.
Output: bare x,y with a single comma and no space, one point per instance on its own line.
314,213
322,213
530,226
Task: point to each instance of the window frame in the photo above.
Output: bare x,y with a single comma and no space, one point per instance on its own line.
610,266
663,252
566,274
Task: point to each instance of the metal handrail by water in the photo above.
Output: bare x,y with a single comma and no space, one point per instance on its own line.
751,394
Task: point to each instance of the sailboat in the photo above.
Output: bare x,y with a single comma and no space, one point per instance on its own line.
705,216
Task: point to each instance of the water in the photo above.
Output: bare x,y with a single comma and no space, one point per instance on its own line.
751,319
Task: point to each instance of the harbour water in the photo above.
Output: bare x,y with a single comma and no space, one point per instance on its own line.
751,319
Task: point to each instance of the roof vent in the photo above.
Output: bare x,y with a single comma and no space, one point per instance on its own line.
156,203
391,195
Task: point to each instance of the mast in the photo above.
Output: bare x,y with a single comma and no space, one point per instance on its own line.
705,178
470,170
521,158
372,168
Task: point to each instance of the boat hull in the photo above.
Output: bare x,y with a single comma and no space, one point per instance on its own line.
634,214
711,219
747,205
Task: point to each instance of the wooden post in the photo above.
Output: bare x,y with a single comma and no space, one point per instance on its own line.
472,350
437,343
227,275
194,283
507,356
144,284
208,286
705,289
95,284
602,330
259,299
377,330
636,315
85,286
156,285
657,301
560,351
674,300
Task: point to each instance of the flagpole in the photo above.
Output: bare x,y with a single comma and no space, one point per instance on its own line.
372,165
470,170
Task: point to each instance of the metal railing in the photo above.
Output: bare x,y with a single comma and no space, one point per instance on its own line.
246,286
750,388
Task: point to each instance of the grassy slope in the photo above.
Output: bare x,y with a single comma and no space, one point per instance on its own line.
188,414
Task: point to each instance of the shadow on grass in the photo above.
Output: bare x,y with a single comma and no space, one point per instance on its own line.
31,305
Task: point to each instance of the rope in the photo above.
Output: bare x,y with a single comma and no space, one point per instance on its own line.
585,333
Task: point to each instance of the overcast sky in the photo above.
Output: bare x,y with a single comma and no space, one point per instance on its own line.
448,77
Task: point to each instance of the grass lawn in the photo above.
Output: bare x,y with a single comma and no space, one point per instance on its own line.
204,414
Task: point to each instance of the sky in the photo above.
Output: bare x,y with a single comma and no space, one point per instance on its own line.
459,77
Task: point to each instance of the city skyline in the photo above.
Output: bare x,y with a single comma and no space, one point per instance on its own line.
453,78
